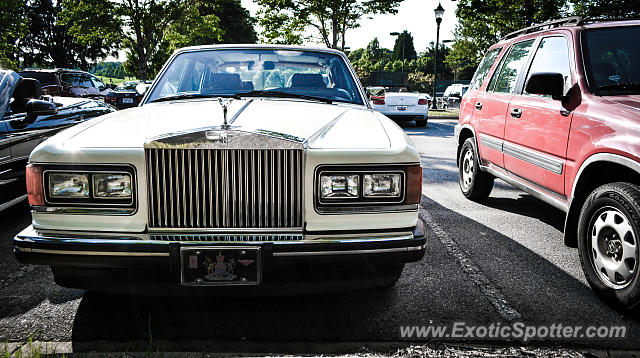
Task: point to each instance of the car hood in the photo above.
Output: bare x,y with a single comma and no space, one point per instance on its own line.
326,126
632,101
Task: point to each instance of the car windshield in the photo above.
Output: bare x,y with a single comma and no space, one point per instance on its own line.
229,72
127,86
612,60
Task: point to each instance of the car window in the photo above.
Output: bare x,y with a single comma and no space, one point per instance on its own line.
45,78
553,56
505,80
484,67
97,83
612,59
228,72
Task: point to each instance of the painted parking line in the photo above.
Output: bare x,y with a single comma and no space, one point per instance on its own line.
490,291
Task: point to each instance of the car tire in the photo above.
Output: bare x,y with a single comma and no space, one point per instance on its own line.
421,122
475,184
608,233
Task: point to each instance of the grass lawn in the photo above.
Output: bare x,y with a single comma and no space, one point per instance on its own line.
115,81
453,113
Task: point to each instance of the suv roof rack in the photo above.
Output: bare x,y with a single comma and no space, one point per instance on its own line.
567,21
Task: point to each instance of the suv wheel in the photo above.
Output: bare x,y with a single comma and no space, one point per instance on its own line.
608,231
421,122
475,184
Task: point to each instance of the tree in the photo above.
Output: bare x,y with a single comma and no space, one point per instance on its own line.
404,39
240,27
607,8
48,41
375,51
420,82
426,64
13,26
481,23
285,21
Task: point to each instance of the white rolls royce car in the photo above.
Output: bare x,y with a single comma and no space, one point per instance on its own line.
242,168
403,106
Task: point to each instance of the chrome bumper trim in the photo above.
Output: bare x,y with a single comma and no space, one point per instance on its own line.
89,253
349,252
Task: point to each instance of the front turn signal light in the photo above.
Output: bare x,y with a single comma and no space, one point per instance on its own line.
414,185
35,190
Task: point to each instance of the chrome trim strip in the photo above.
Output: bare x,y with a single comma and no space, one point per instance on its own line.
548,197
534,157
492,142
92,253
604,157
13,202
349,252
227,230
82,210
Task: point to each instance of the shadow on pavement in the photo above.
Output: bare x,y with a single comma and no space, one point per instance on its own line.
434,291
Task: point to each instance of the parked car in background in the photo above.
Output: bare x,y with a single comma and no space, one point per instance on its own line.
208,185
554,109
27,119
400,106
127,94
453,95
68,83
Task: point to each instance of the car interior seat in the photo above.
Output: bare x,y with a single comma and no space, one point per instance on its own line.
307,80
224,82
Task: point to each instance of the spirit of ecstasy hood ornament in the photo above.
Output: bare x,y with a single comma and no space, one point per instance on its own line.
225,104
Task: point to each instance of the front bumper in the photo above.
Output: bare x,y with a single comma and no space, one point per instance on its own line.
145,251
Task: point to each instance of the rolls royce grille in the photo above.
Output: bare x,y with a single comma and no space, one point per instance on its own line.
224,188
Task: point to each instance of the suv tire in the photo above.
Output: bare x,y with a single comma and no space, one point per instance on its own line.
475,184
421,122
608,233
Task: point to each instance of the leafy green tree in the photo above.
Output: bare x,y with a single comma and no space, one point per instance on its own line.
426,64
13,26
375,51
48,41
481,23
404,40
420,82
285,21
607,8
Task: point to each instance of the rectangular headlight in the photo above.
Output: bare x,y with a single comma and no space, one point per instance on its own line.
112,185
384,185
339,186
69,185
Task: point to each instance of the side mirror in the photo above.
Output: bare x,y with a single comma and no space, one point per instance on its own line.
38,107
546,83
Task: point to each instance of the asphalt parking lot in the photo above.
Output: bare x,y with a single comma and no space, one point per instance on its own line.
500,262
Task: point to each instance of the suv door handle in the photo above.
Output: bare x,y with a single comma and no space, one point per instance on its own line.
516,113
479,105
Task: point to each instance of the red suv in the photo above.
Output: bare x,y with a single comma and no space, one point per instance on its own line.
554,109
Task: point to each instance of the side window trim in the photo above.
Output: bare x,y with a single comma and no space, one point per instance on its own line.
522,78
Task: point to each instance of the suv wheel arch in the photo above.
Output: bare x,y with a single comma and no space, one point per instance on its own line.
466,132
597,170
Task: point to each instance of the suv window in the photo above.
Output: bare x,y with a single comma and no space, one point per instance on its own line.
553,56
505,80
484,67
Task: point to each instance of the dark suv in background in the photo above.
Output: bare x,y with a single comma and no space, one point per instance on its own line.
554,109
68,83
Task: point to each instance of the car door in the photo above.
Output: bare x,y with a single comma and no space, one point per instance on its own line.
6,178
537,127
491,106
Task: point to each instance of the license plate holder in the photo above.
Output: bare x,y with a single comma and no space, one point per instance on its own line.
401,108
220,266
127,100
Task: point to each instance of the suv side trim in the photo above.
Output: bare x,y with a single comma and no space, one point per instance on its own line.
548,197
528,155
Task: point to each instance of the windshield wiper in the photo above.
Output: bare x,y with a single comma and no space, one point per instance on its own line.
281,94
624,86
191,96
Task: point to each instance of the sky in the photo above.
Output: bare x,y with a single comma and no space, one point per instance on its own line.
416,16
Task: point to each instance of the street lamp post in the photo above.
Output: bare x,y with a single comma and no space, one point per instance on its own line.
439,11
403,40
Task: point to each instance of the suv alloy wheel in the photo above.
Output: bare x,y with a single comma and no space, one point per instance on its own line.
608,227
475,184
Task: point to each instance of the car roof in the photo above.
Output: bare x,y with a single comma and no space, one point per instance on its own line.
574,23
53,70
260,46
